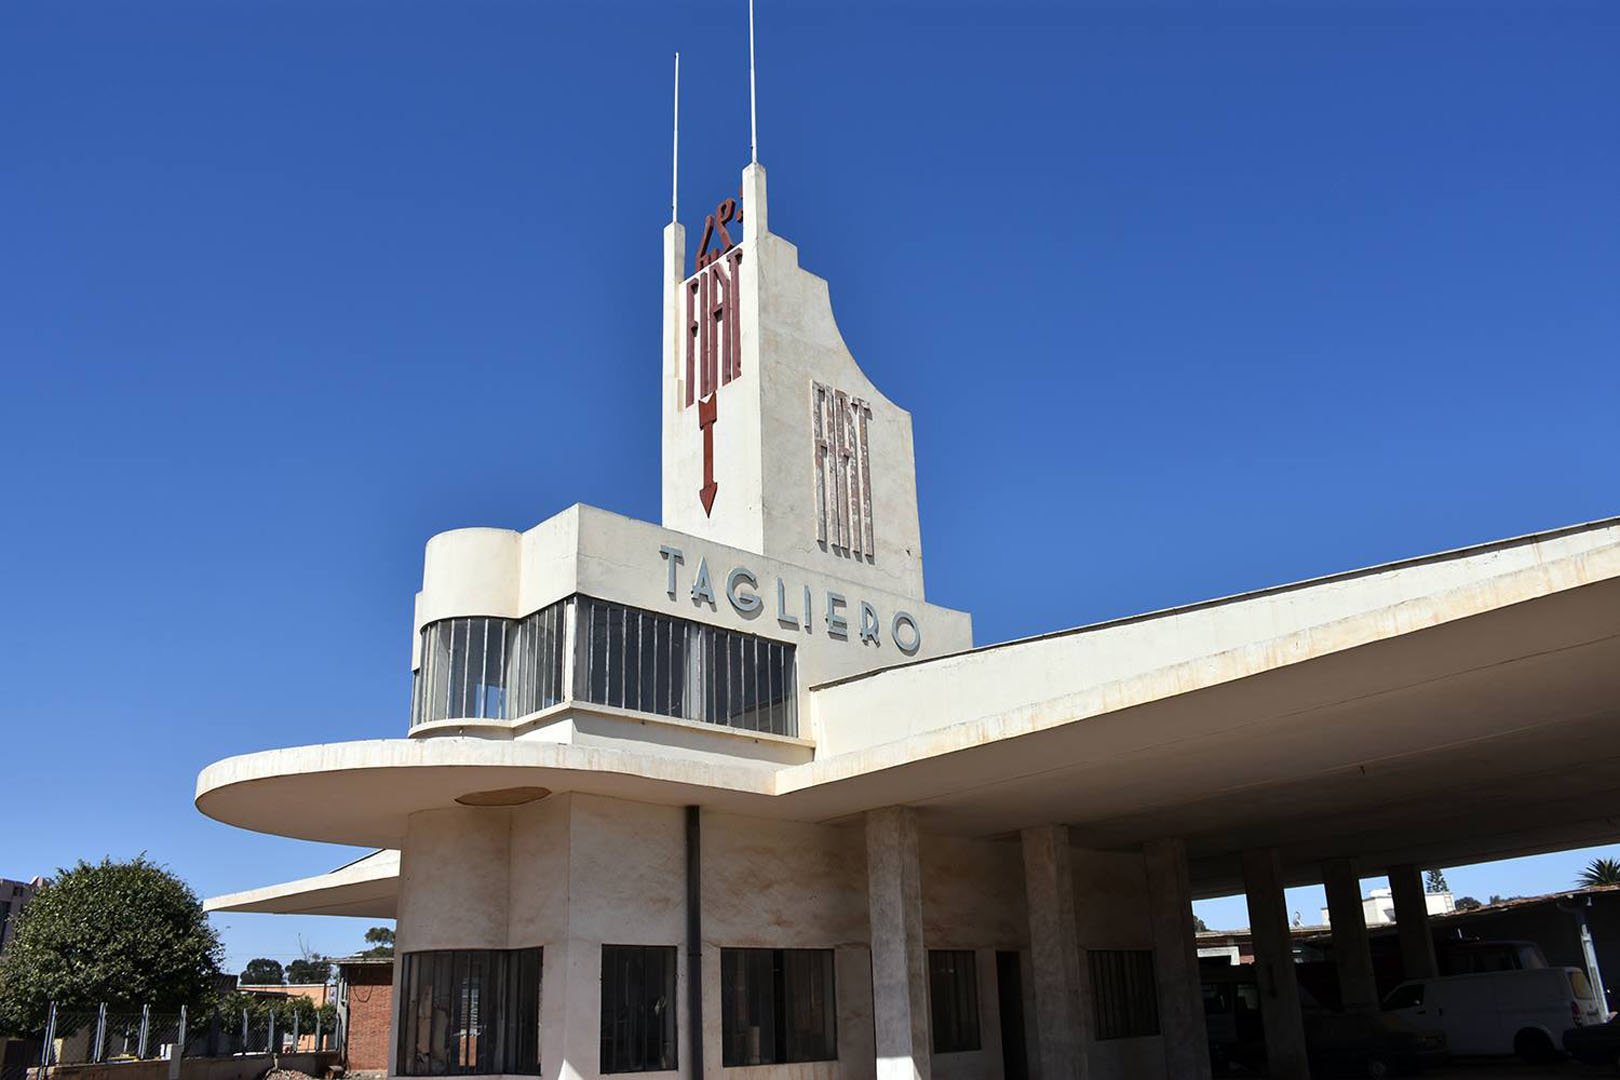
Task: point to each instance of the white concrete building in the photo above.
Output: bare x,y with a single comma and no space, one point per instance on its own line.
14,896
1378,907
728,796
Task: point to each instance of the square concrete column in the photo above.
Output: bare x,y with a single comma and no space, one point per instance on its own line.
1175,961
1412,922
1352,951
1274,966
899,959
1062,1013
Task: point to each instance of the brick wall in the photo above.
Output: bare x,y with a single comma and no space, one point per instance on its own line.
371,1016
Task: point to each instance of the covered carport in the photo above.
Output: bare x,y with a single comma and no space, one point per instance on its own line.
1442,711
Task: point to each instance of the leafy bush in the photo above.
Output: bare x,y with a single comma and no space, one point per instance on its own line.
125,933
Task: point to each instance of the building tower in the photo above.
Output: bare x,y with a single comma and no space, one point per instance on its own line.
775,441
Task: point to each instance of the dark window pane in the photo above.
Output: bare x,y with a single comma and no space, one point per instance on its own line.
810,1012
748,1007
615,656
598,656
1124,993
647,667
678,659
470,1012
632,660
638,1008
652,663
660,667
458,667
953,996
777,1006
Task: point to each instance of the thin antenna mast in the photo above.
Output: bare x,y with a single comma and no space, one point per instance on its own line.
675,151
753,112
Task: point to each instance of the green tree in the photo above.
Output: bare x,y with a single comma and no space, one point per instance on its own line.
1468,903
262,971
125,933
1601,872
1436,882
309,969
381,939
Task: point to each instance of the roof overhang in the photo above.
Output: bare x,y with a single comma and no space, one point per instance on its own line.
367,887
1445,710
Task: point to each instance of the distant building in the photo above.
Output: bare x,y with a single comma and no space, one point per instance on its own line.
13,896
318,993
1378,907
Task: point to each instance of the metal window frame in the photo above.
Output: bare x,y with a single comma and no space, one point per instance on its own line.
519,666
779,997
490,1002
954,1016
727,678
599,652
638,1021
1125,993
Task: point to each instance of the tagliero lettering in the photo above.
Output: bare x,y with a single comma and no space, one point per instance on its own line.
795,605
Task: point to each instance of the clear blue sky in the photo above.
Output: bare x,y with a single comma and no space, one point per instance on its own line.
1186,298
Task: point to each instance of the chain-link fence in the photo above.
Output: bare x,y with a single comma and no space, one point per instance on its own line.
73,1037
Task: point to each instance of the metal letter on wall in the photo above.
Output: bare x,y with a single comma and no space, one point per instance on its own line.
843,472
713,327
713,333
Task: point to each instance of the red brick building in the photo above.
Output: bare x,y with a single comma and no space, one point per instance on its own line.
365,1000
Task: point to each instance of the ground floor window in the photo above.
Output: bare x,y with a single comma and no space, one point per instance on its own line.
1124,992
638,1008
469,1012
953,1000
777,1006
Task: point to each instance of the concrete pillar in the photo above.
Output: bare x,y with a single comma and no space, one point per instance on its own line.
571,1010
454,886
1274,966
1062,1015
899,960
1352,951
1175,961
1412,922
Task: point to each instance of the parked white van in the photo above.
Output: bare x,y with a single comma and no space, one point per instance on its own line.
1523,1012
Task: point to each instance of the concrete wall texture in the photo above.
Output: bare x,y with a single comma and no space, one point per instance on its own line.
575,872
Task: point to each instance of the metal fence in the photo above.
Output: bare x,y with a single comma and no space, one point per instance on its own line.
110,1036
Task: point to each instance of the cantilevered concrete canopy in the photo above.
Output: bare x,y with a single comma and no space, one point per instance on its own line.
367,887
1455,708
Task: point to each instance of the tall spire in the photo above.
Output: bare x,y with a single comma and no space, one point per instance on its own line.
753,112
675,150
